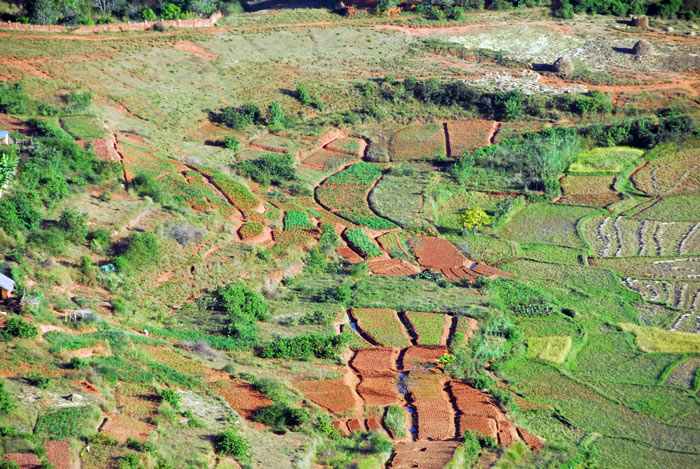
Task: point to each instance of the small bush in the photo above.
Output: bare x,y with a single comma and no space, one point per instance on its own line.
78,363
231,443
282,416
171,396
7,403
18,327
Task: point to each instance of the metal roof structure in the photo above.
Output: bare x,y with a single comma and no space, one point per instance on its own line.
6,283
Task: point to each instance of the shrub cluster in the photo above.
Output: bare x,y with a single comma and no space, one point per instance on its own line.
270,168
305,346
243,307
521,299
282,416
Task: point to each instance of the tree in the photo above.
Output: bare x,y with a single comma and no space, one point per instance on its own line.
74,225
170,11
275,115
42,12
8,165
473,218
147,15
303,95
472,447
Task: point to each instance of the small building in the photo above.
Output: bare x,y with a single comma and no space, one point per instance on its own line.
4,137
7,286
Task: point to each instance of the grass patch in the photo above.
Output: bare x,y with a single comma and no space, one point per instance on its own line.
83,127
610,160
68,422
653,340
553,349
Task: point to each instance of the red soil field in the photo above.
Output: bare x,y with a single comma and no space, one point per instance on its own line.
349,254
435,253
469,135
355,425
392,267
373,424
331,394
418,354
324,159
342,427
435,419
241,396
122,427
24,460
490,272
423,454
379,377
58,454
478,412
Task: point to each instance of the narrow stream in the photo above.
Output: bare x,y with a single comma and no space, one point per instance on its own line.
402,386
353,324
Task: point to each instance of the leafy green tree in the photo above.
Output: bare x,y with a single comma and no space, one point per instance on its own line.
42,12
148,15
302,94
232,143
8,166
275,114
170,11
171,396
473,218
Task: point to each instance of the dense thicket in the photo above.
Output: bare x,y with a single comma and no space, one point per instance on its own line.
664,8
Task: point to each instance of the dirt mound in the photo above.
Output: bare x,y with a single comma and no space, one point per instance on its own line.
436,254
122,427
331,394
423,454
58,454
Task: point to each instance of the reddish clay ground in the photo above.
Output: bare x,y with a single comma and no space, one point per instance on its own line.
422,454
24,460
435,419
355,425
241,396
349,254
58,454
414,356
378,375
392,267
469,135
435,253
122,427
331,394
192,48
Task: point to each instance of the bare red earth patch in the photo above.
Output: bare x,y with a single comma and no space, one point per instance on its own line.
122,427
379,377
24,460
422,454
331,394
58,454
436,254
414,356
464,136
241,396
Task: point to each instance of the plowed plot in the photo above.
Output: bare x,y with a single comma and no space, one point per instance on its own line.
467,136
429,327
418,142
392,267
241,396
673,174
435,419
414,356
595,191
383,325
24,460
479,413
122,428
379,378
139,155
434,253
423,454
326,159
58,454
174,360
349,146
331,394
684,374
